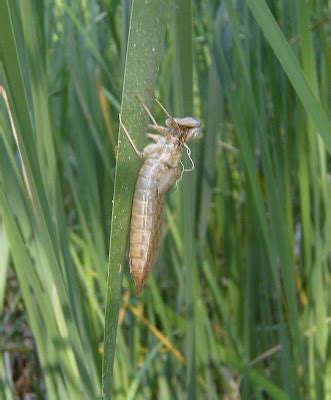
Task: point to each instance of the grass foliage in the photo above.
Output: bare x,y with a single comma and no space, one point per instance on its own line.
237,304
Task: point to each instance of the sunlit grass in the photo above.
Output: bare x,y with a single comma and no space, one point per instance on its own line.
237,304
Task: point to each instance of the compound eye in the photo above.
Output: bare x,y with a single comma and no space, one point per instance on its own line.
193,133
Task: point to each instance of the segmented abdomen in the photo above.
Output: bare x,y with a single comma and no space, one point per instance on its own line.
146,222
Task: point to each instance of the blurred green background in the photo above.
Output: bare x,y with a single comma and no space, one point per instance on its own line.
237,304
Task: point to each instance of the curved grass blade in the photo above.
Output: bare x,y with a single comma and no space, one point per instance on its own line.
145,42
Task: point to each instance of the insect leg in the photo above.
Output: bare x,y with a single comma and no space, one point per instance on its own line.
139,153
151,136
164,109
147,110
163,130
159,103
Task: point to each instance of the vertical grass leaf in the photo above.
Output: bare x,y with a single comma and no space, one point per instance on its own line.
144,50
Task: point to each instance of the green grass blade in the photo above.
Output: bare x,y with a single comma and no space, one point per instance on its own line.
43,214
183,69
4,260
291,67
239,293
140,375
7,391
145,45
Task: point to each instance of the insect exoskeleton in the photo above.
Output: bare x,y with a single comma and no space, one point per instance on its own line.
157,175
